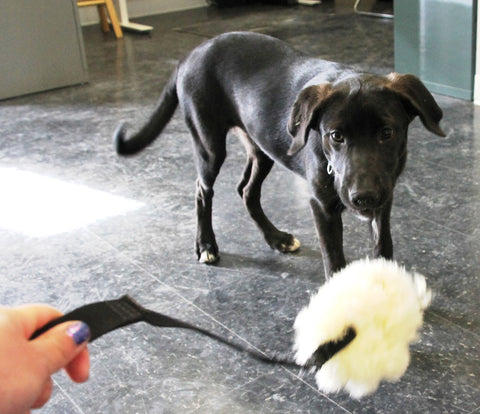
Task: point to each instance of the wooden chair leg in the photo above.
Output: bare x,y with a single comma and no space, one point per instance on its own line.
102,12
114,19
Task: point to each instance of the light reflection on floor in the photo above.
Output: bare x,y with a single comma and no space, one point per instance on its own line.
40,206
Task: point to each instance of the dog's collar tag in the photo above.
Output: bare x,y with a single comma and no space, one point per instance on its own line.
107,316
329,168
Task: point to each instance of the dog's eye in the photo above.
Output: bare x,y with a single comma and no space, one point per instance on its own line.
336,136
386,133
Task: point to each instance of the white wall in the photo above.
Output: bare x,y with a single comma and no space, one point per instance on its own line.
138,8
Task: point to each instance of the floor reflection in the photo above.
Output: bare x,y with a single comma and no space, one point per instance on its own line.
40,206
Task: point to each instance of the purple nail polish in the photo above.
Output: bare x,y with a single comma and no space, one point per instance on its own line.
79,332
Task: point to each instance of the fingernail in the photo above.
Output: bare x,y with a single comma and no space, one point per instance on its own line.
79,332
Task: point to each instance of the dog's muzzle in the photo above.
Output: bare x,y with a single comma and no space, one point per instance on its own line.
364,201
365,204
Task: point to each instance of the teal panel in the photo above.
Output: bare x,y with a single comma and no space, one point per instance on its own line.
435,40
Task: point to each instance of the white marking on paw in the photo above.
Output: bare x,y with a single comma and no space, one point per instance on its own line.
423,292
292,247
207,257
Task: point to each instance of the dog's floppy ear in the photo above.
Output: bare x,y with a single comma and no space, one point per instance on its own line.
419,99
308,101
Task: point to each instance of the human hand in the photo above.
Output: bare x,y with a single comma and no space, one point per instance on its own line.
26,366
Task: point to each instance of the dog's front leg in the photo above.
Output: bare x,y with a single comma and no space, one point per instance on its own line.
330,234
381,234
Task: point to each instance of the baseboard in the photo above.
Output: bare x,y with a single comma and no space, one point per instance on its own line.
449,90
476,90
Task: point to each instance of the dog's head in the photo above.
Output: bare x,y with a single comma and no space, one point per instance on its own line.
359,126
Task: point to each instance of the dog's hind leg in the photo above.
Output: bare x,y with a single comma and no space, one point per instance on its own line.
256,170
210,153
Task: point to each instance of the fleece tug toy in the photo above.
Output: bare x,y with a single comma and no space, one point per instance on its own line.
354,333
384,305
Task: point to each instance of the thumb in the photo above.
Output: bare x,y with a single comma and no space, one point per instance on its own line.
62,344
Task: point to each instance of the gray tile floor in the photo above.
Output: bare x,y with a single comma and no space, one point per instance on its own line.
138,228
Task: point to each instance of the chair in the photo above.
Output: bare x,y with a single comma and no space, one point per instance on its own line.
365,13
104,7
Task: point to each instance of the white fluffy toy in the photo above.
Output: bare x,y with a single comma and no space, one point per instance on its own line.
384,305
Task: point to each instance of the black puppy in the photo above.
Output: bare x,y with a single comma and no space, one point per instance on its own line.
344,132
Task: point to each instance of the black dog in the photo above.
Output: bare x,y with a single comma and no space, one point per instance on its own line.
344,132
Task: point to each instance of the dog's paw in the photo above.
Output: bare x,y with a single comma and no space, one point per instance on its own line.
291,247
208,257
424,294
283,242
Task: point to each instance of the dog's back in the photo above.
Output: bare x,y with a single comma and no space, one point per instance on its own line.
247,80
233,80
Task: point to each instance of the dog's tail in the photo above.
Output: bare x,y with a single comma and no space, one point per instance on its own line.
162,114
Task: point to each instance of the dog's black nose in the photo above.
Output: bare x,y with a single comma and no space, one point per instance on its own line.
364,200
